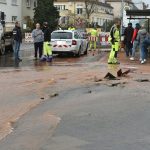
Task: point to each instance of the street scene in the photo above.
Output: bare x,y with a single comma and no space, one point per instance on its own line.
74,79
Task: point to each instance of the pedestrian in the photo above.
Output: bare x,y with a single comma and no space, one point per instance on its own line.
128,34
93,39
142,34
115,42
144,49
72,28
17,36
38,37
135,42
47,54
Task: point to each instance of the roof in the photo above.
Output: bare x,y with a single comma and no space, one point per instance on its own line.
100,3
127,1
105,5
138,12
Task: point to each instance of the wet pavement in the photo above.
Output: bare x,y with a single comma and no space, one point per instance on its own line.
69,105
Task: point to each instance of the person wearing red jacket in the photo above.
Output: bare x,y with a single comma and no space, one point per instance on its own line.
134,40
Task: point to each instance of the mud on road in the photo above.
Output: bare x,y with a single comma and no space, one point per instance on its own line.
32,84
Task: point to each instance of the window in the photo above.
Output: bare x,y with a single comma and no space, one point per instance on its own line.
2,1
14,2
35,3
76,35
60,7
61,35
14,18
79,11
28,3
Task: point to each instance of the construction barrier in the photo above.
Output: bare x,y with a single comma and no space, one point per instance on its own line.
28,38
104,39
92,38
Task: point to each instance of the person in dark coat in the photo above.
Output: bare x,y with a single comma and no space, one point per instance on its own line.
47,32
47,54
17,35
128,33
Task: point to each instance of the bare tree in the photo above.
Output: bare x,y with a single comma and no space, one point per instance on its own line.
90,6
145,6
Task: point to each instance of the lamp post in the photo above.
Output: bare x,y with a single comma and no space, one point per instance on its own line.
122,8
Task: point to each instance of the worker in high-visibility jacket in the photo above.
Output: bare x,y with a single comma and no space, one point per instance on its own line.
114,39
72,28
47,47
93,38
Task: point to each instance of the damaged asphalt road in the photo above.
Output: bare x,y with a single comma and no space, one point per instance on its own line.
70,105
105,118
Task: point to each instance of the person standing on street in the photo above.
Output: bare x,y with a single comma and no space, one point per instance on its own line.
128,33
144,48
115,42
142,35
72,28
38,37
17,35
135,42
47,55
93,39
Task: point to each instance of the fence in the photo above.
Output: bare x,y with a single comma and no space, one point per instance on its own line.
28,38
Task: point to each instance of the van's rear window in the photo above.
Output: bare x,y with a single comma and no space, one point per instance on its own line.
61,35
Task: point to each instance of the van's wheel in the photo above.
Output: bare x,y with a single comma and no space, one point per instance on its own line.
79,52
2,47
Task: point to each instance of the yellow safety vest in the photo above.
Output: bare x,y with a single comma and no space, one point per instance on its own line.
93,32
71,28
116,34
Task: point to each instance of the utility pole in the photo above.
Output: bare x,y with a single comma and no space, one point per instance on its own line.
122,9
74,11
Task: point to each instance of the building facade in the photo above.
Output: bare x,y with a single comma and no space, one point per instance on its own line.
28,10
12,10
118,5
120,10
76,10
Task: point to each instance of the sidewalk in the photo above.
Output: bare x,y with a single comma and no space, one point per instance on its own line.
26,46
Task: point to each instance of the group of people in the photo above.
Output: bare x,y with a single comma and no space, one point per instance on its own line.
41,37
135,38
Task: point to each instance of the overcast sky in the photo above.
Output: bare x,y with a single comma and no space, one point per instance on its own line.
146,1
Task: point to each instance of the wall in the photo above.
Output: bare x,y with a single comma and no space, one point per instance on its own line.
11,10
27,11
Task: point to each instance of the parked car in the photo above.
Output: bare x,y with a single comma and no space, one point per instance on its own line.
6,37
66,41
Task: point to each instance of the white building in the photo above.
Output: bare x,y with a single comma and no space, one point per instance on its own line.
12,10
76,9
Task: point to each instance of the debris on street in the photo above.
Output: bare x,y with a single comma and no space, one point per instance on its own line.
54,95
110,76
96,79
143,80
123,74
